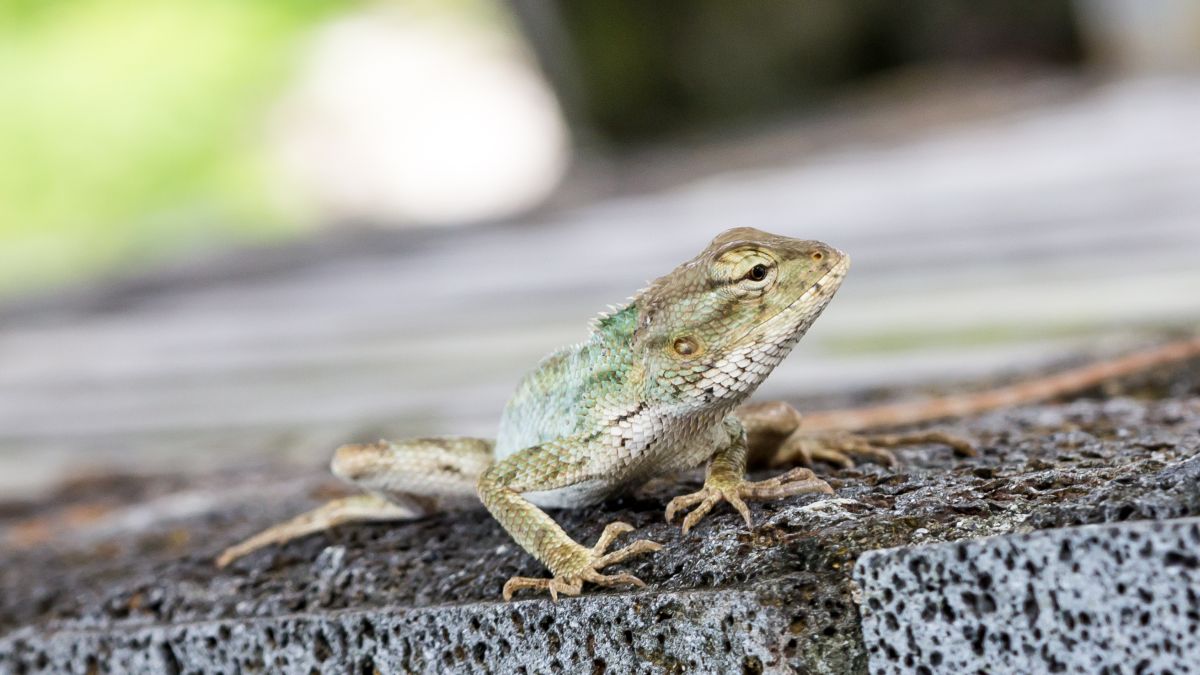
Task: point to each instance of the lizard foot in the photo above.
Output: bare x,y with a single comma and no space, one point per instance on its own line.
587,566
736,491
841,448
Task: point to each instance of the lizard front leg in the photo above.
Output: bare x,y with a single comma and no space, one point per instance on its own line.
725,480
777,437
557,473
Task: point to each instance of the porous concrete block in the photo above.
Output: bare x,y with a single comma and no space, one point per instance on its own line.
1114,598
670,632
424,596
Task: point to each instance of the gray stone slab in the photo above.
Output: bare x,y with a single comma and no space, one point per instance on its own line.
670,632
135,589
1114,598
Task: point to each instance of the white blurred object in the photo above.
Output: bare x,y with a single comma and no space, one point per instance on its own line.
408,119
1143,35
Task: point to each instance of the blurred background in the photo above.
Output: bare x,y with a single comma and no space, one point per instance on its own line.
248,232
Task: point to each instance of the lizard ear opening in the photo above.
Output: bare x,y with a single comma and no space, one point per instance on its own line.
686,346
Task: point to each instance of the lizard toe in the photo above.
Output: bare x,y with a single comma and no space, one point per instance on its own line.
684,502
570,581
622,579
795,482
962,447
705,500
711,497
639,547
609,535
843,449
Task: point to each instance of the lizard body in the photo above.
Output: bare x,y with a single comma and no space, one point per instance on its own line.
649,393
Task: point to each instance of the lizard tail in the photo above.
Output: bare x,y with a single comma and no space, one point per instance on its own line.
1022,393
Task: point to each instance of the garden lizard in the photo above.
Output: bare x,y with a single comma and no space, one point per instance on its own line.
649,393
657,388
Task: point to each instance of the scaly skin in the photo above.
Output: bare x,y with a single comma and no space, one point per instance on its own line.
651,392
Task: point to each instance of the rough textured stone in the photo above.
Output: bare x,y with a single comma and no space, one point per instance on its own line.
135,589
725,631
1115,598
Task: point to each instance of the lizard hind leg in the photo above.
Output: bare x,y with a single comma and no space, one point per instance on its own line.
841,448
777,438
404,480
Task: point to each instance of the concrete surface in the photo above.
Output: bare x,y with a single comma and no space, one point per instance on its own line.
1115,598
115,573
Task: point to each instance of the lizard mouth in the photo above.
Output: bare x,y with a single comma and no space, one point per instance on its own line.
824,287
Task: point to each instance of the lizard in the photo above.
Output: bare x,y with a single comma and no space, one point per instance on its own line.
651,392
658,387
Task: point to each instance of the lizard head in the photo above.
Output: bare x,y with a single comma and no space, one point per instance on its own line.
715,327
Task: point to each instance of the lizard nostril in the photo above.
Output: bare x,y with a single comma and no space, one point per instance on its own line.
817,255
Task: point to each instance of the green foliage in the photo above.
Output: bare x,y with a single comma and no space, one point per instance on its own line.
129,126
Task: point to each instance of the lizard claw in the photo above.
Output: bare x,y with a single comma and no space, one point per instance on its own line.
587,569
840,448
794,482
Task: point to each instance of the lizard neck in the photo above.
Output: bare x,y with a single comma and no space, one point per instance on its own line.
705,390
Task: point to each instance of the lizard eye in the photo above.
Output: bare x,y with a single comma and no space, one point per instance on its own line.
757,273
